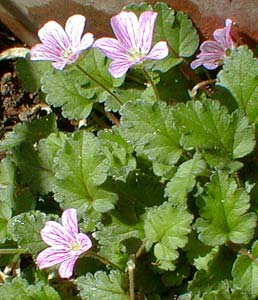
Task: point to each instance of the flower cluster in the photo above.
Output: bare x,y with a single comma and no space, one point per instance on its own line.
132,46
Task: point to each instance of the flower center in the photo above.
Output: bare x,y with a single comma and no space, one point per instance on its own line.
135,55
67,53
75,246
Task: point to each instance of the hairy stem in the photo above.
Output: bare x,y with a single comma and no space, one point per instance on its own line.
151,82
102,259
100,84
131,267
11,251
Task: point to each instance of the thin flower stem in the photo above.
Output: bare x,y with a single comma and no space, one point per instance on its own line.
131,267
151,82
11,251
100,84
102,259
200,85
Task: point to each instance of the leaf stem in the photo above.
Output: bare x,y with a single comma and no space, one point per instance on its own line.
11,251
131,267
99,83
102,259
200,85
151,82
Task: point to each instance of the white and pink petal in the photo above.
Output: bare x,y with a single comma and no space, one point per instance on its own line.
111,47
125,26
146,26
54,234
51,257
66,267
118,68
53,34
159,51
74,27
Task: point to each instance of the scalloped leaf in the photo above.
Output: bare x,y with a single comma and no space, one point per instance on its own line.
81,167
240,77
245,272
19,289
112,240
209,126
150,129
30,73
31,132
184,180
25,230
102,286
223,211
167,227
118,152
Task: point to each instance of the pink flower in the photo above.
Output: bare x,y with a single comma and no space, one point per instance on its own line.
66,244
213,52
133,43
62,46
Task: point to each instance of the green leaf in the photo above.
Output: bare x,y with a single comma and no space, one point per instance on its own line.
209,126
216,277
150,129
141,190
112,240
68,89
102,286
30,73
19,289
25,230
240,77
16,197
167,227
223,211
29,132
81,167
177,29
245,272
118,152
184,180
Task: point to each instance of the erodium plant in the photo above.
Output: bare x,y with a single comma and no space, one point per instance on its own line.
139,180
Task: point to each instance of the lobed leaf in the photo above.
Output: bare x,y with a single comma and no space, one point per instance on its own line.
167,227
150,129
240,77
245,272
19,289
81,167
30,132
184,180
223,211
25,230
102,286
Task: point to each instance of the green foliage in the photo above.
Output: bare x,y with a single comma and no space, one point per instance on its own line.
19,289
81,167
165,189
245,271
118,153
208,125
150,129
184,180
29,132
167,227
30,72
223,211
25,230
240,77
102,286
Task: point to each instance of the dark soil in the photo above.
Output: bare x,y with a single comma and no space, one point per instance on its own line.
16,104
